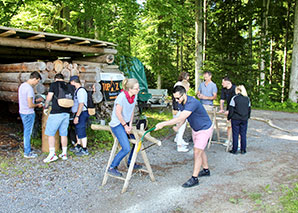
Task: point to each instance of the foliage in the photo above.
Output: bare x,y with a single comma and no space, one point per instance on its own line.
240,34
99,140
290,199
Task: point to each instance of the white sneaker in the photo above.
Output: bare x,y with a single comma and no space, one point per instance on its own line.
184,143
50,158
182,149
63,156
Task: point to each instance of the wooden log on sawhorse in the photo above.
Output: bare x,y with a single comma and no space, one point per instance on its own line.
138,134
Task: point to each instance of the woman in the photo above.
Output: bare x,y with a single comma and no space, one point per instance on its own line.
121,122
181,144
239,113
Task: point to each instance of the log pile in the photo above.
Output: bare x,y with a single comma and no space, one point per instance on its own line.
12,75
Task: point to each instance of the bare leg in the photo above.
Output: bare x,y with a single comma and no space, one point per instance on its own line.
197,161
51,141
204,160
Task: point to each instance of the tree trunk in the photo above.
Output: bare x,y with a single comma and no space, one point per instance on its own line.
294,70
205,31
108,58
198,44
23,67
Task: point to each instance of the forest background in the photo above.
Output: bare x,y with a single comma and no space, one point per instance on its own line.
254,42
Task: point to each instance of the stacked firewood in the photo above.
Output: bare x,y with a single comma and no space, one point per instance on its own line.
12,75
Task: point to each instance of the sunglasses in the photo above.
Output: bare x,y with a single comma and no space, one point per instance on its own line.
177,99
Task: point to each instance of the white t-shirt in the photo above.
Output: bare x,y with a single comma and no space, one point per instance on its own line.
127,109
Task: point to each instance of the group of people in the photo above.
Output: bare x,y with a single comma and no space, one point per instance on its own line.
194,111
185,108
58,116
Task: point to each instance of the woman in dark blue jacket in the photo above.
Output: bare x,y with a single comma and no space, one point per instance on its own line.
239,113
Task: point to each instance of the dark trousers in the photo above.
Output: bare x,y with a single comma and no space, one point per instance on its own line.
239,127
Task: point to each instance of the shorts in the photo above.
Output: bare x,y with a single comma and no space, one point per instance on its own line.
200,138
57,121
81,126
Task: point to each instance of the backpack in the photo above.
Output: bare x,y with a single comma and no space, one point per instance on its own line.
65,96
90,104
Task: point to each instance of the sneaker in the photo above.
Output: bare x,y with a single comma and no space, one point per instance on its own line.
50,158
184,143
182,149
191,182
75,149
204,173
63,156
136,166
30,155
233,152
114,172
82,153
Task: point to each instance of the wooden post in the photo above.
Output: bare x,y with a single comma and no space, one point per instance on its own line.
44,138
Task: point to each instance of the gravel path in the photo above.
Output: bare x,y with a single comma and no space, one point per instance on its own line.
75,185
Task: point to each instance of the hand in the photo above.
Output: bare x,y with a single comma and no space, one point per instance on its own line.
221,111
76,120
39,99
39,105
175,128
226,112
46,111
127,129
159,126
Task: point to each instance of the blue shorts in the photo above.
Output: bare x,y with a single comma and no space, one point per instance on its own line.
57,121
81,126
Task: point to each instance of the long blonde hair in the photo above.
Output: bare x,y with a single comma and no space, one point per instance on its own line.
241,89
128,83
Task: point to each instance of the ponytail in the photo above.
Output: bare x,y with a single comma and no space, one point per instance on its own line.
241,89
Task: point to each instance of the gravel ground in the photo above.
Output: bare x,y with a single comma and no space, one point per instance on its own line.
75,185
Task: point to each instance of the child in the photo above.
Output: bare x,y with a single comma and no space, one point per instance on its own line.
239,113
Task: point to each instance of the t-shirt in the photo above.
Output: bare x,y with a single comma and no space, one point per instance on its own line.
25,91
127,109
80,96
227,94
198,119
54,87
208,90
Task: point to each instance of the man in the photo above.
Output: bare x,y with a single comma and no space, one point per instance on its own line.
81,115
58,118
227,92
207,90
195,113
26,110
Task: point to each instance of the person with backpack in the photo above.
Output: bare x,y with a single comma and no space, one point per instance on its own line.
59,115
81,115
239,113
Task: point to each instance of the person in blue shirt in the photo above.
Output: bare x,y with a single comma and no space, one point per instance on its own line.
207,90
193,111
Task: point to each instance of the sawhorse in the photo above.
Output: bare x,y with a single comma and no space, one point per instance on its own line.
138,134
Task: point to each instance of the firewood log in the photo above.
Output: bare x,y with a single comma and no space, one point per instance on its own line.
23,67
58,66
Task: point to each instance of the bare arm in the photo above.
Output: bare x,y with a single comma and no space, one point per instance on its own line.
78,113
222,106
119,109
182,117
48,99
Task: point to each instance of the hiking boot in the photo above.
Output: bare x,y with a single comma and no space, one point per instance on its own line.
181,148
63,156
30,155
191,182
50,158
233,152
136,166
114,172
75,149
82,153
204,173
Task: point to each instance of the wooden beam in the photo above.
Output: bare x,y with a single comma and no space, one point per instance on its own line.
83,42
99,45
7,33
61,40
24,43
36,37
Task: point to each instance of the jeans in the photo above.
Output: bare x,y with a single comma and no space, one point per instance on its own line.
239,127
28,122
122,137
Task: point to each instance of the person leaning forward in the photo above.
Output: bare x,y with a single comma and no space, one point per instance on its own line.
196,115
58,118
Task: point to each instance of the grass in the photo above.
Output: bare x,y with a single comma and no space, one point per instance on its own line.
289,200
